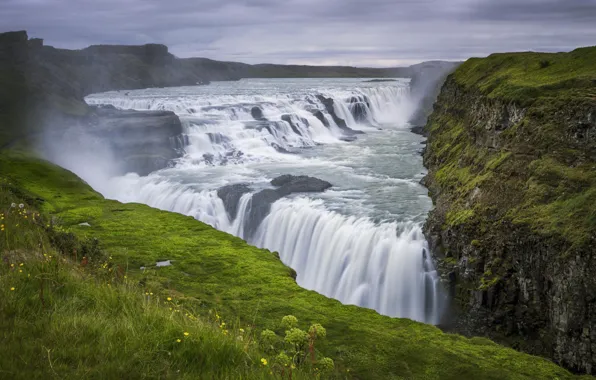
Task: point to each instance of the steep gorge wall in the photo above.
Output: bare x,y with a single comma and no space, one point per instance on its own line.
512,171
42,105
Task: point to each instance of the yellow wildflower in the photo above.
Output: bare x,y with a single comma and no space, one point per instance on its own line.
178,340
186,334
169,298
21,264
12,289
263,361
241,330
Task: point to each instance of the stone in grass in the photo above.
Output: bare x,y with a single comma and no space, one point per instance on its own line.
160,264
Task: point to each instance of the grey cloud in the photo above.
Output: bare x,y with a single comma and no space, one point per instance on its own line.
546,11
357,32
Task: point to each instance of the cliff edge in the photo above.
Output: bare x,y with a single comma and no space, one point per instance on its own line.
512,172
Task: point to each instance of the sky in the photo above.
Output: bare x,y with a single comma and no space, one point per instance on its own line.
371,33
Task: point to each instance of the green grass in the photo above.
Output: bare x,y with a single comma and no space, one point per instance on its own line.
538,173
67,310
99,328
523,77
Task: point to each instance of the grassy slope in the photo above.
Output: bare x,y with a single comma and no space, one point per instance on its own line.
215,271
524,77
64,317
540,176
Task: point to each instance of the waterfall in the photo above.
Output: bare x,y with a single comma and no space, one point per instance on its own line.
379,266
234,136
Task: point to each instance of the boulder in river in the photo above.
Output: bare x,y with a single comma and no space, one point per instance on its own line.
230,195
300,184
261,202
257,113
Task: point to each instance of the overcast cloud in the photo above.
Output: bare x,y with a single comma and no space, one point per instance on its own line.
346,32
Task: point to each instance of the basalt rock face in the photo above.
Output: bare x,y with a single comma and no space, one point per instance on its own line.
261,202
143,141
512,173
230,195
328,103
41,101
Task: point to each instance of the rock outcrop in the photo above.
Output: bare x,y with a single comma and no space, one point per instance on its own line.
143,141
257,113
41,101
328,103
512,173
359,107
230,195
261,202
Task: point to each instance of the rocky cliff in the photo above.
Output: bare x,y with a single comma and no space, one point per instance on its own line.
512,172
42,90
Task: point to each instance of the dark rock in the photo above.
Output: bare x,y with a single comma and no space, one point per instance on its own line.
144,51
348,138
230,195
419,130
35,43
280,149
300,184
359,112
319,115
380,80
520,286
359,107
139,139
218,138
261,202
257,113
9,38
209,158
288,119
341,123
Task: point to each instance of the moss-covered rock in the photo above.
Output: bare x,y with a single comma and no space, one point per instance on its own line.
512,171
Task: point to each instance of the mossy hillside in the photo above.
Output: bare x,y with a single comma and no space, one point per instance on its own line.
512,171
541,170
216,271
68,311
525,77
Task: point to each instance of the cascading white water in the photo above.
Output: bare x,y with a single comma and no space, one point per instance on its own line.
379,266
337,241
